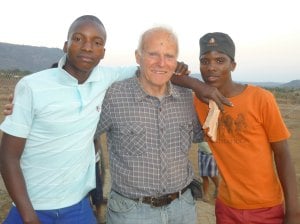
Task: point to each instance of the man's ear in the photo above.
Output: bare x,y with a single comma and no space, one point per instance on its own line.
103,53
137,57
233,66
65,46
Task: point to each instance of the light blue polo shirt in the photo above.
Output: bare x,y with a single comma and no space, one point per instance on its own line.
58,117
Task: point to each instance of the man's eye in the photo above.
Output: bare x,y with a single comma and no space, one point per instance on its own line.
220,61
204,62
77,39
99,43
168,56
152,54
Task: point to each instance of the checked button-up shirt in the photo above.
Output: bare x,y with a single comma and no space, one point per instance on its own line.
148,138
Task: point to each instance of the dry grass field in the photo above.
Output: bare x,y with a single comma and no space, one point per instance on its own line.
289,104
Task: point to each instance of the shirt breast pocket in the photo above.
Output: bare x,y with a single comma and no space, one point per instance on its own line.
186,136
132,139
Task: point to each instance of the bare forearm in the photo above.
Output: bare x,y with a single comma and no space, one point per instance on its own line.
16,187
287,176
11,150
187,82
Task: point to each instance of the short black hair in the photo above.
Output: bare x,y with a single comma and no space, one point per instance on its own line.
90,18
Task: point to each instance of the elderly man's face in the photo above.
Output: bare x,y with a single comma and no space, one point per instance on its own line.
158,60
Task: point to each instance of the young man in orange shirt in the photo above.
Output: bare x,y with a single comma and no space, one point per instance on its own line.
249,143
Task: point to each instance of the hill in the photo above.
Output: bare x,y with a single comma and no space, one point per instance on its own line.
27,58
291,84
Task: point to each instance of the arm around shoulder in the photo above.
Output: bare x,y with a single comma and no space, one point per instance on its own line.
202,90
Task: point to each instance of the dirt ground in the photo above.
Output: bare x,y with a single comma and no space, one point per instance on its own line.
289,109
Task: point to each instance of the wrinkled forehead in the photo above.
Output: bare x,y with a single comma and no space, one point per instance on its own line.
160,39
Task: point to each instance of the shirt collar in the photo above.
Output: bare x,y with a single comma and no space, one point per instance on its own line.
92,78
140,94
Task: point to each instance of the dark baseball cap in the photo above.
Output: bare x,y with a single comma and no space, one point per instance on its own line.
217,42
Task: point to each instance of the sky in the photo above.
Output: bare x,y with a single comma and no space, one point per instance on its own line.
266,32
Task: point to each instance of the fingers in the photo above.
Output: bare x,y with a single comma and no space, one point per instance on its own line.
6,112
220,105
181,69
8,108
215,96
206,92
10,98
226,101
221,101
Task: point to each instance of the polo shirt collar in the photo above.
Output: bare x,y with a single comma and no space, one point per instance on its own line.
92,78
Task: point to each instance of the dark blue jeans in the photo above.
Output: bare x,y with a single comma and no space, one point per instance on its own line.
80,213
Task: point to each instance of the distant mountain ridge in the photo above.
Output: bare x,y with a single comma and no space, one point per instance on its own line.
27,58
291,84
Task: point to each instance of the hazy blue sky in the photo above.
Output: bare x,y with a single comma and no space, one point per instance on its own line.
266,33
